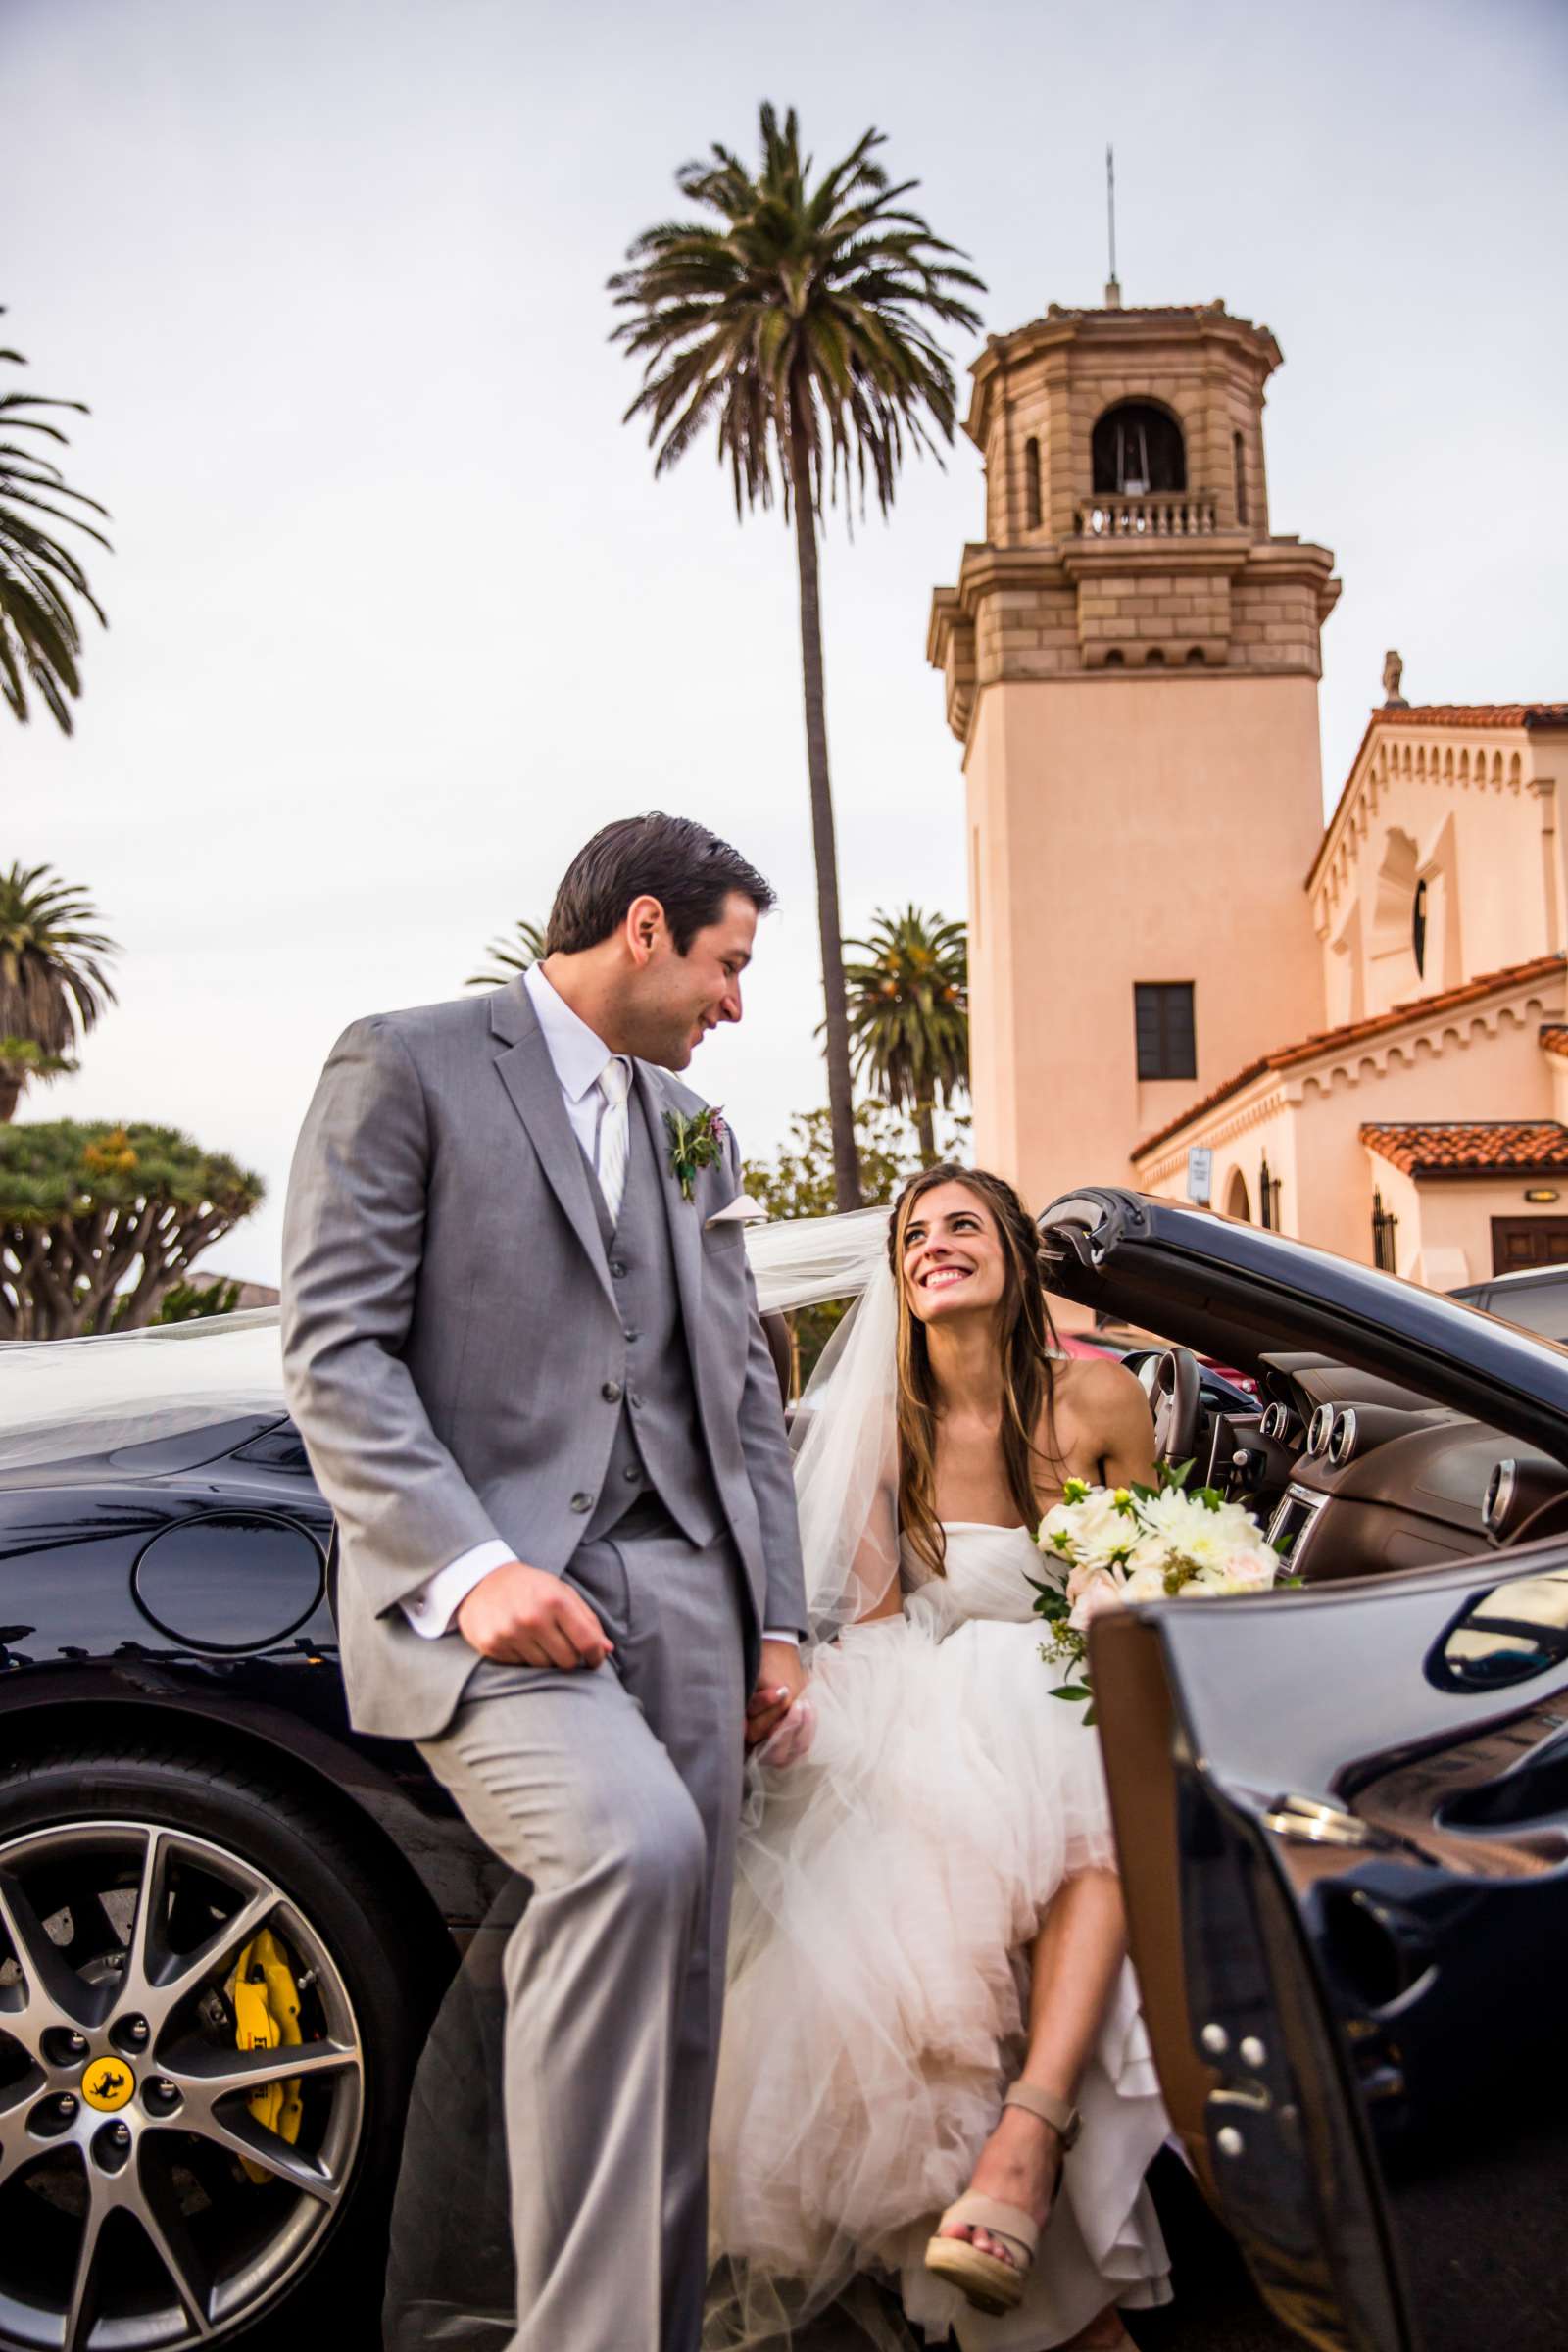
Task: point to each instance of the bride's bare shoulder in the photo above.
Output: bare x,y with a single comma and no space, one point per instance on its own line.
1101,1394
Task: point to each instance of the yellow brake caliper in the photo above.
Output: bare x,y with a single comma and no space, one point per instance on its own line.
267,2016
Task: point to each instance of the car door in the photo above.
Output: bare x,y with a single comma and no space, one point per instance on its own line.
1343,1819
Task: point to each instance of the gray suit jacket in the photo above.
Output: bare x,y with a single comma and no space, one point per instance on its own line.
449,1323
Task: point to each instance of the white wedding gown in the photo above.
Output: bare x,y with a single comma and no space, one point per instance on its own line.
888,1888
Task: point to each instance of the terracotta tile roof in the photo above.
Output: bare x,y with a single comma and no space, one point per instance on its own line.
1440,714
1555,1036
1351,1033
1469,715
1470,1147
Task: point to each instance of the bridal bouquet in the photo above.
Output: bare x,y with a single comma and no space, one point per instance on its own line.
1104,1547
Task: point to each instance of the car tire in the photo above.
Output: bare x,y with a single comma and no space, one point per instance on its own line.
375,1966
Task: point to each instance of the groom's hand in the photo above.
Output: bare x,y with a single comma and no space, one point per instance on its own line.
780,1679
524,1616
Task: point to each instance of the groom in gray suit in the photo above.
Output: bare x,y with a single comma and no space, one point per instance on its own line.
522,1346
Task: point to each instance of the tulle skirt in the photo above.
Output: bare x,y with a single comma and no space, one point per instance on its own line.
889,1888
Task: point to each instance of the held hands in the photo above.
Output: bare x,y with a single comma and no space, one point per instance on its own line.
778,1711
521,1616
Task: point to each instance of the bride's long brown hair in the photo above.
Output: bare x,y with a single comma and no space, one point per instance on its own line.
1027,1342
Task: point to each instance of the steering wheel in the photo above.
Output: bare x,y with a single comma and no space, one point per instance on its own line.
1176,1393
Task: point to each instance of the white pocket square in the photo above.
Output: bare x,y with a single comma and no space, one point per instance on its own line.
742,1210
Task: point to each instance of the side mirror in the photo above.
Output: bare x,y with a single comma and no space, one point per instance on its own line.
1504,1637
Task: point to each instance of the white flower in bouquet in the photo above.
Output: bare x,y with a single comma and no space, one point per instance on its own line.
1106,1548
1146,1572
1242,1568
1197,1536
1090,1590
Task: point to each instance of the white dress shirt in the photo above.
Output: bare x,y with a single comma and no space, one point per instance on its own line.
580,1057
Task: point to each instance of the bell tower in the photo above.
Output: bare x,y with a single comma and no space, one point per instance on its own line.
1131,663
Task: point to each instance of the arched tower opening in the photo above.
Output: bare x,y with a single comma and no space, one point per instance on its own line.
1033,511
1136,449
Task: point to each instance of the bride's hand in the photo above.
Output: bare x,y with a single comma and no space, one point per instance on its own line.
780,1679
792,1738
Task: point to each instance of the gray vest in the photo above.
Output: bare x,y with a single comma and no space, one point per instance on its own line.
659,1444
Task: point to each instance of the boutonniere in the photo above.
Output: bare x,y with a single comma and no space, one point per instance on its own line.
694,1143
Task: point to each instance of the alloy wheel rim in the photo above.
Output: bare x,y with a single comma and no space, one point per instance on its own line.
124,2098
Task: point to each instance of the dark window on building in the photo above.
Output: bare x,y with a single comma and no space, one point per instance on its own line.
1032,510
1162,1010
1418,929
1238,447
1385,1225
1269,1188
1137,448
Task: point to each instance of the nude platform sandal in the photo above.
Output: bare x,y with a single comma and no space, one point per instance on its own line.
985,2279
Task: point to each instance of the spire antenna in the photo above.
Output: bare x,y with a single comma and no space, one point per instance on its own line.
1113,284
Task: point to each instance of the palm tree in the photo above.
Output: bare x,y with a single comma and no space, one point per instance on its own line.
910,1016
40,636
799,318
509,957
53,986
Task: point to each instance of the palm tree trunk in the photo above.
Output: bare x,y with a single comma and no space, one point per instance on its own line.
840,1099
10,1097
925,1127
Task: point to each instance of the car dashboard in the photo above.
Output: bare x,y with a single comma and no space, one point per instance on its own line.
1353,1476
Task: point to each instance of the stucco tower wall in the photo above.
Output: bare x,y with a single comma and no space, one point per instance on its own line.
1125,829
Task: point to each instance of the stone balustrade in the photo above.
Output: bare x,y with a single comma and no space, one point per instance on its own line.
1156,514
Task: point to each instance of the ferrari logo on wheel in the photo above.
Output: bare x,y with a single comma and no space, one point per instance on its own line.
107,2084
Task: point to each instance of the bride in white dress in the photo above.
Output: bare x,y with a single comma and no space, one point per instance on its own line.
927,1915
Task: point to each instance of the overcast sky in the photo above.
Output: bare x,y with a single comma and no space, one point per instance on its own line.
399,615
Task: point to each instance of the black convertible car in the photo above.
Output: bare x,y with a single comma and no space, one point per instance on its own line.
226,1921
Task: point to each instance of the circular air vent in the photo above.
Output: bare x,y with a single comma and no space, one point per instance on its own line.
1320,1429
1276,1422
1497,1501
1342,1444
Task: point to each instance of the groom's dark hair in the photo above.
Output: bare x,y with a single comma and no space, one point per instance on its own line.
689,870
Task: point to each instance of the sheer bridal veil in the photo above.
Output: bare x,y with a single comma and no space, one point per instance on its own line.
846,1463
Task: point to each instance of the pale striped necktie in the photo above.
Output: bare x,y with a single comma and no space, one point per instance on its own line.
611,1143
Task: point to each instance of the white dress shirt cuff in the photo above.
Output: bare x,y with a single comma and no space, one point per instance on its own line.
777,1633
432,1607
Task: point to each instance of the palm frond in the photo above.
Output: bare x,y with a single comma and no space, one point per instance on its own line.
510,955
52,981
40,636
795,297
910,1010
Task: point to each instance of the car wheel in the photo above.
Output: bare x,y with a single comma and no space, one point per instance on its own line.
189,2148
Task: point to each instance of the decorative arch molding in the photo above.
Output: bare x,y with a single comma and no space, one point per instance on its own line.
1133,395
1449,1034
1219,1132
1347,969
1390,961
1483,767
1438,888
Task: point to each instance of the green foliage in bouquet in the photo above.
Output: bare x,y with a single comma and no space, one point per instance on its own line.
1108,1547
